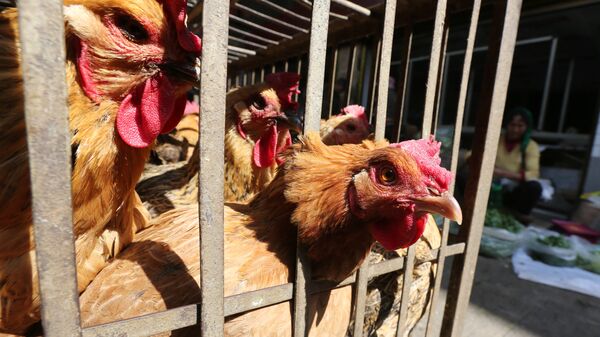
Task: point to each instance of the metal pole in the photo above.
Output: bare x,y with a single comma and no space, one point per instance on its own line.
42,39
211,178
547,84
566,96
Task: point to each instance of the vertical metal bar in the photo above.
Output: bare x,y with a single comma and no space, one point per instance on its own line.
441,105
299,71
312,117
273,68
351,74
402,84
441,79
375,79
333,78
435,309
286,66
215,24
566,96
547,84
384,67
409,264
245,78
262,74
487,133
360,293
434,64
42,41
253,76
316,65
469,102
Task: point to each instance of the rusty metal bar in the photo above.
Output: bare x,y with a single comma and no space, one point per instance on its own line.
491,109
566,96
250,43
241,50
434,64
406,285
384,66
547,83
147,325
360,294
285,10
333,78
270,18
312,116
258,37
441,80
402,85
316,65
211,177
351,5
374,84
436,310
259,27
42,41
351,73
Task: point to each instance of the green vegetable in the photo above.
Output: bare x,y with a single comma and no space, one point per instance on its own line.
554,241
498,219
588,265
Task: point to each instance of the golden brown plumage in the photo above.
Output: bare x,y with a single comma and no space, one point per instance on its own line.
349,127
251,112
103,72
336,198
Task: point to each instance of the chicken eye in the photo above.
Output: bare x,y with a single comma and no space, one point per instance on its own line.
387,175
258,102
132,29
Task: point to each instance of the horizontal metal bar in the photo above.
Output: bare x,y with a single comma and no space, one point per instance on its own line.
147,325
285,10
231,57
270,18
237,54
351,5
250,43
259,27
258,37
335,15
257,299
49,145
241,50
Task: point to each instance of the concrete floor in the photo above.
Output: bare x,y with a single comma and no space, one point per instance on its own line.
503,305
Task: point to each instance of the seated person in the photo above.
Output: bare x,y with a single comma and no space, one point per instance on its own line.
518,162
517,165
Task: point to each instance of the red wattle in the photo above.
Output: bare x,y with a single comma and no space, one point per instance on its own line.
149,109
400,233
265,148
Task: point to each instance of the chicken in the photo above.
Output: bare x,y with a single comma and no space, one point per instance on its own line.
256,132
351,126
129,63
339,199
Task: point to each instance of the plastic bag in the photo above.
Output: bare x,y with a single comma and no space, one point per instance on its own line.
588,255
550,247
497,240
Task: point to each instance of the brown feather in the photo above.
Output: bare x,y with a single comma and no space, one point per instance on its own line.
160,270
106,209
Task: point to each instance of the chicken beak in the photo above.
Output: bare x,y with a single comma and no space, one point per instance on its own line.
187,72
444,205
292,123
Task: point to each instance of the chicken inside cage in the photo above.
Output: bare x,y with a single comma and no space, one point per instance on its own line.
213,190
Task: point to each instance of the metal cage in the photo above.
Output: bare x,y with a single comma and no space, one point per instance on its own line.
43,58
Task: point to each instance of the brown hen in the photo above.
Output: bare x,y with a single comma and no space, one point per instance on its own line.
120,58
338,199
350,126
256,133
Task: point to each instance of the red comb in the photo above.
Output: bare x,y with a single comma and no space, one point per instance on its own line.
426,153
285,84
356,111
176,10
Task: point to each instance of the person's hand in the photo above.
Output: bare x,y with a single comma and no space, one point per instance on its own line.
502,173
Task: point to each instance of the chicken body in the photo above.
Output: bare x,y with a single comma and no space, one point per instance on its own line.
254,126
364,197
109,148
